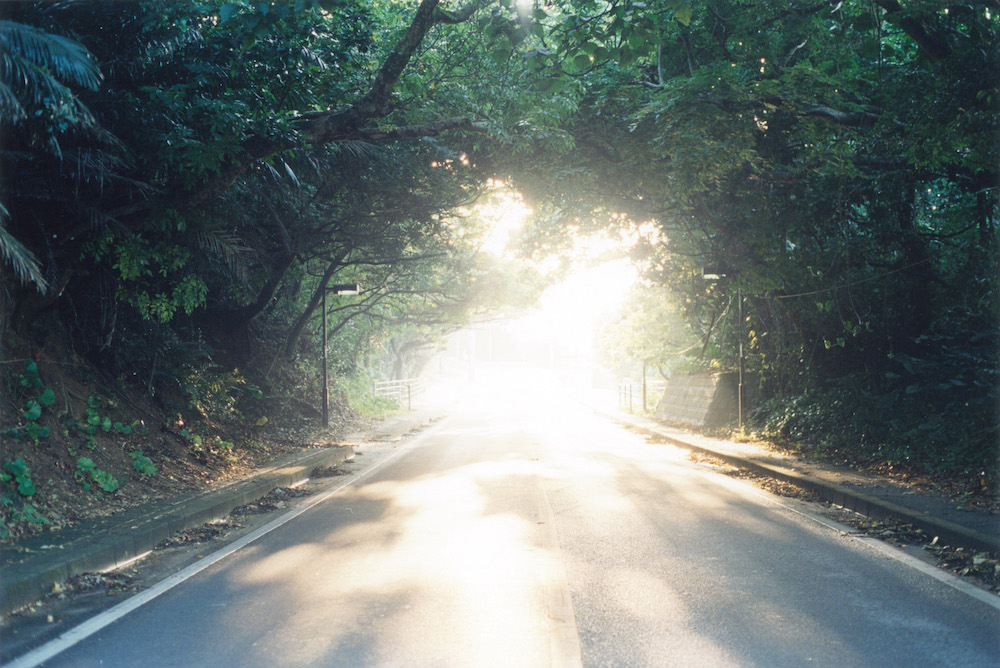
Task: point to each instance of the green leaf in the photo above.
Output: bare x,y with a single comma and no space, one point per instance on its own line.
637,41
48,397
550,84
26,487
683,14
106,424
227,11
17,468
143,464
33,411
105,480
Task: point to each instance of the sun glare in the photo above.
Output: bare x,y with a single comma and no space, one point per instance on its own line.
564,324
503,213
560,332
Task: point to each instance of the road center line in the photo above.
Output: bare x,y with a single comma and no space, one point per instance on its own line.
564,638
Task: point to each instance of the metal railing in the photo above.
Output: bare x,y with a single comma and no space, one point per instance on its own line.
633,394
402,392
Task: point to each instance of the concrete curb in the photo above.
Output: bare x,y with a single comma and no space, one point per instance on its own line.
949,533
111,542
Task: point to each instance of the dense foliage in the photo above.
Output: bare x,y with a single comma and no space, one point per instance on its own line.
183,180
186,179
838,163
181,184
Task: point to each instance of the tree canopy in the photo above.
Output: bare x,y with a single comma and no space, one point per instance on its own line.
184,180
838,163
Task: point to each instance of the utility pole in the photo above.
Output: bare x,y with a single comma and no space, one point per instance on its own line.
739,389
337,289
644,404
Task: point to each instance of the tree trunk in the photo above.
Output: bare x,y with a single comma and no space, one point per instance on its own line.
984,211
231,327
917,308
317,297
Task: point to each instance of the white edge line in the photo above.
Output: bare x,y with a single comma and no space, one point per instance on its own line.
91,626
887,550
884,548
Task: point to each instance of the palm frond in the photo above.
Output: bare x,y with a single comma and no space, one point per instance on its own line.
167,48
10,106
358,149
310,56
36,70
30,84
66,59
231,248
21,260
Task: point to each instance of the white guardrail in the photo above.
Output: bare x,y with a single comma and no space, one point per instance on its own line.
403,392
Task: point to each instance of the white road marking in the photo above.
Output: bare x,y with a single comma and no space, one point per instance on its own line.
886,549
564,638
88,628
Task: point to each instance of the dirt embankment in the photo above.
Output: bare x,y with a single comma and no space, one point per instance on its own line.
75,445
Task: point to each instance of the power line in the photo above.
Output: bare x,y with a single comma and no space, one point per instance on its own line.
852,283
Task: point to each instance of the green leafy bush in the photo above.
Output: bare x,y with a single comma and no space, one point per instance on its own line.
142,463
17,471
30,377
14,513
357,389
95,421
87,473
33,407
193,438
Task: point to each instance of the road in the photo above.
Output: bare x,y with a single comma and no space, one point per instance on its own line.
523,530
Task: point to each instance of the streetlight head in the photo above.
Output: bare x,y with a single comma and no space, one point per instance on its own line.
344,289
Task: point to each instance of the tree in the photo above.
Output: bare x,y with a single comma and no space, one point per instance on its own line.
186,129
241,156
36,70
835,160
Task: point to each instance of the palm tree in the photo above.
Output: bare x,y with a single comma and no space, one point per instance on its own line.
36,70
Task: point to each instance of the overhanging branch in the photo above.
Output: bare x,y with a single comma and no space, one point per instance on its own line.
933,46
403,132
855,119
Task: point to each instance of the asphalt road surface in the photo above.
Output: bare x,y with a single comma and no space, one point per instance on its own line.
523,530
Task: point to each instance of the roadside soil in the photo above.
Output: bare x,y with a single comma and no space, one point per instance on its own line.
89,594
139,448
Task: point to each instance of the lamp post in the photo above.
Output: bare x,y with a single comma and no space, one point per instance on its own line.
337,289
714,274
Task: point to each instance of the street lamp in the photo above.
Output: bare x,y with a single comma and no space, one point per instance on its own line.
337,289
715,274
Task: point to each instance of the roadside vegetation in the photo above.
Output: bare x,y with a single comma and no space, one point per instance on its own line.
183,181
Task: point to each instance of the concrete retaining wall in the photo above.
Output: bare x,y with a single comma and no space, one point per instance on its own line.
706,400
